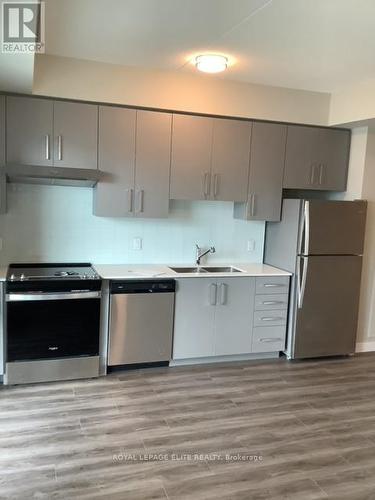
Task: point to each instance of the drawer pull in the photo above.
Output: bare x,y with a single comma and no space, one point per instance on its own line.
278,339
272,302
273,285
273,318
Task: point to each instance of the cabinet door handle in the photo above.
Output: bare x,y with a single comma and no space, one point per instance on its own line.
47,147
130,200
216,185
273,285
248,212
312,173
278,339
223,294
59,147
321,171
213,294
253,206
272,302
141,196
301,279
206,184
272,318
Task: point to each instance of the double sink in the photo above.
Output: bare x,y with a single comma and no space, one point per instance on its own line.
206,270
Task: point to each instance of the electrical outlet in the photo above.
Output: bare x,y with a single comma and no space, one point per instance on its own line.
251,245
137,243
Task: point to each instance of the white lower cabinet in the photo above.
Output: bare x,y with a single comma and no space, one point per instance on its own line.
194,318
268,339
213,317
228,316
234,316
270,315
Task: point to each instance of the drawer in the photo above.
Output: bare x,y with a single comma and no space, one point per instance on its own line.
265,302
268,339
270,318
272,284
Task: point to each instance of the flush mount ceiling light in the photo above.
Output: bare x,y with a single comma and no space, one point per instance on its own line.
211,63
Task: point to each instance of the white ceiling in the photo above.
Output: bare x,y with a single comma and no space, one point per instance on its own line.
309,44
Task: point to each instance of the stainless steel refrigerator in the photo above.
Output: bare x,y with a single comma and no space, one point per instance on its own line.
321,243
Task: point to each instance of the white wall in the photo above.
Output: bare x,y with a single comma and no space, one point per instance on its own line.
89,80
361,185
357,161
353,104
53,223
366,327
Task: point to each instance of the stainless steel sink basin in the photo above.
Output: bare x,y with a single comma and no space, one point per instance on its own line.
206,270
189,270
223,269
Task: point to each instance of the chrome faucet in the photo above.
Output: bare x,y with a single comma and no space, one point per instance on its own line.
200,253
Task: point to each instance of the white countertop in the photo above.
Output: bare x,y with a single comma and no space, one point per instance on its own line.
144,271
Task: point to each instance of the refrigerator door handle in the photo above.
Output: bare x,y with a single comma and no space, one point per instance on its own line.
306,232
301,279
303,241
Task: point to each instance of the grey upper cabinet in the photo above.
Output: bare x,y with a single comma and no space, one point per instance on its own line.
151,157
43,132
114,195
334,146
2,163
134,154
267,158
316,158
76,133
300,165
266,171
2,130
210,158
29,131
152,164
230,159
191,157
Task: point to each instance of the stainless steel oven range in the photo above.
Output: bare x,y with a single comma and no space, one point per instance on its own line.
52,322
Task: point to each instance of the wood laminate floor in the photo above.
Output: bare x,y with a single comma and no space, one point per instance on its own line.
255,430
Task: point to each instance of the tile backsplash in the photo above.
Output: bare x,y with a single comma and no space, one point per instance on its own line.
54,223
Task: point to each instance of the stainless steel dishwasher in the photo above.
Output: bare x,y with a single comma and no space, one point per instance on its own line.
141,322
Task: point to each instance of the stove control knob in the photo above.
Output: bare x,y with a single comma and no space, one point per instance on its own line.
22,277
12,277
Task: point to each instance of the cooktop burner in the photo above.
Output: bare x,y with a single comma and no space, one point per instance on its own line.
33,272
64,274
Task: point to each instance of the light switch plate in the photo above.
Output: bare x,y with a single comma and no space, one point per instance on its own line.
251,245
137,243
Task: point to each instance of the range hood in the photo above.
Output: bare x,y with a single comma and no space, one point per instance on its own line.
57,176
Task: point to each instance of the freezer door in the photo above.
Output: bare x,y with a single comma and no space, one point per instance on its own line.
327,305
333,227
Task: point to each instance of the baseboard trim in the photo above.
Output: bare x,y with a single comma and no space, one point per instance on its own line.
365,346
223,359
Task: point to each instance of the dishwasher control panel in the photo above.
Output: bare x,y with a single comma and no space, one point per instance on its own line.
143,286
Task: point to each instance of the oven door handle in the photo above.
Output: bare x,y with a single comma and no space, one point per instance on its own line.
31,296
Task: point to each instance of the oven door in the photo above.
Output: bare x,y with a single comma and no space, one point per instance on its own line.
52,325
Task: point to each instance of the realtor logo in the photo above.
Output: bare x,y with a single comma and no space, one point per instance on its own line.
23,28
